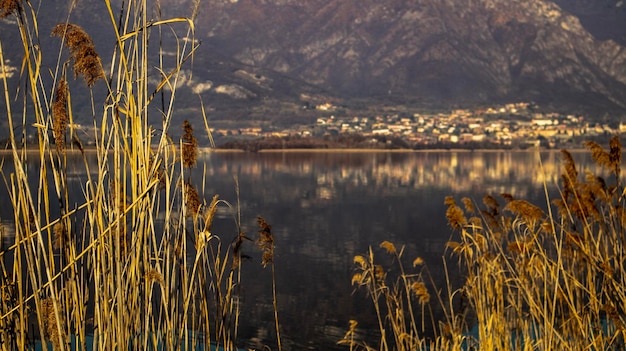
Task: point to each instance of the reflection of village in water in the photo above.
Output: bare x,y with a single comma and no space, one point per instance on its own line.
378,196
327,207
491,172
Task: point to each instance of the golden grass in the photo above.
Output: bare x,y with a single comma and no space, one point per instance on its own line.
534,279
132,261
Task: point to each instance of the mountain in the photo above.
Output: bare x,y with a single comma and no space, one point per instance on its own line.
452,51
266,60
604,19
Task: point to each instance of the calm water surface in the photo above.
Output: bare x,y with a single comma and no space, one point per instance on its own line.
327,207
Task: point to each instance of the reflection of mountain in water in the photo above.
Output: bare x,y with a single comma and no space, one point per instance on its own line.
326,207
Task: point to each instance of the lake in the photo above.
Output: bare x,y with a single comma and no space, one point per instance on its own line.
327,207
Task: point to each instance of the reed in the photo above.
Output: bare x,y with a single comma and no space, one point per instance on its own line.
536,277
403,303
132,262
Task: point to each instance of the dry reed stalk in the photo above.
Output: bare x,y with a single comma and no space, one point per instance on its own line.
394,304
266,243
549,282
116,281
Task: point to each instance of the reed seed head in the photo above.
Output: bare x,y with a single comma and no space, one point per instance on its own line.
192,200
475,222
420,290
389,247
86,59
469,205
456,217
8,7
153,276
570,175
209,214
507,197
60,115
190,146
548,227
490,220
598,154
517,247
357,278
237,245
596,185
418,261
265,241
528,211
60,235
615,155
454,245
360,260
449,201
379,273
51,330
492,204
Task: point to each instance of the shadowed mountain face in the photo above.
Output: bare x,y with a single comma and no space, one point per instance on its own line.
258,54
461,50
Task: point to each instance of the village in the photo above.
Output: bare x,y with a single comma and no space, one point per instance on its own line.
515,125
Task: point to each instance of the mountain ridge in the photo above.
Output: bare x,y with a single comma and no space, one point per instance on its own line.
269,60
471,50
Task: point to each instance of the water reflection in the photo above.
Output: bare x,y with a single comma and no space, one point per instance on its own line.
326,207
457,171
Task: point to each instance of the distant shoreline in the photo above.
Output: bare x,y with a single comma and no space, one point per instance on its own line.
208,150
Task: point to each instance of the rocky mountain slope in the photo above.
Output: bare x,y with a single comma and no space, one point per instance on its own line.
444,50
267,58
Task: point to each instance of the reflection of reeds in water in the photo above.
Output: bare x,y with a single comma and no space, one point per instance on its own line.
534,279
102,262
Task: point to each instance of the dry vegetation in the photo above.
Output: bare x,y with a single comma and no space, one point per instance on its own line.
534,280
131,263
